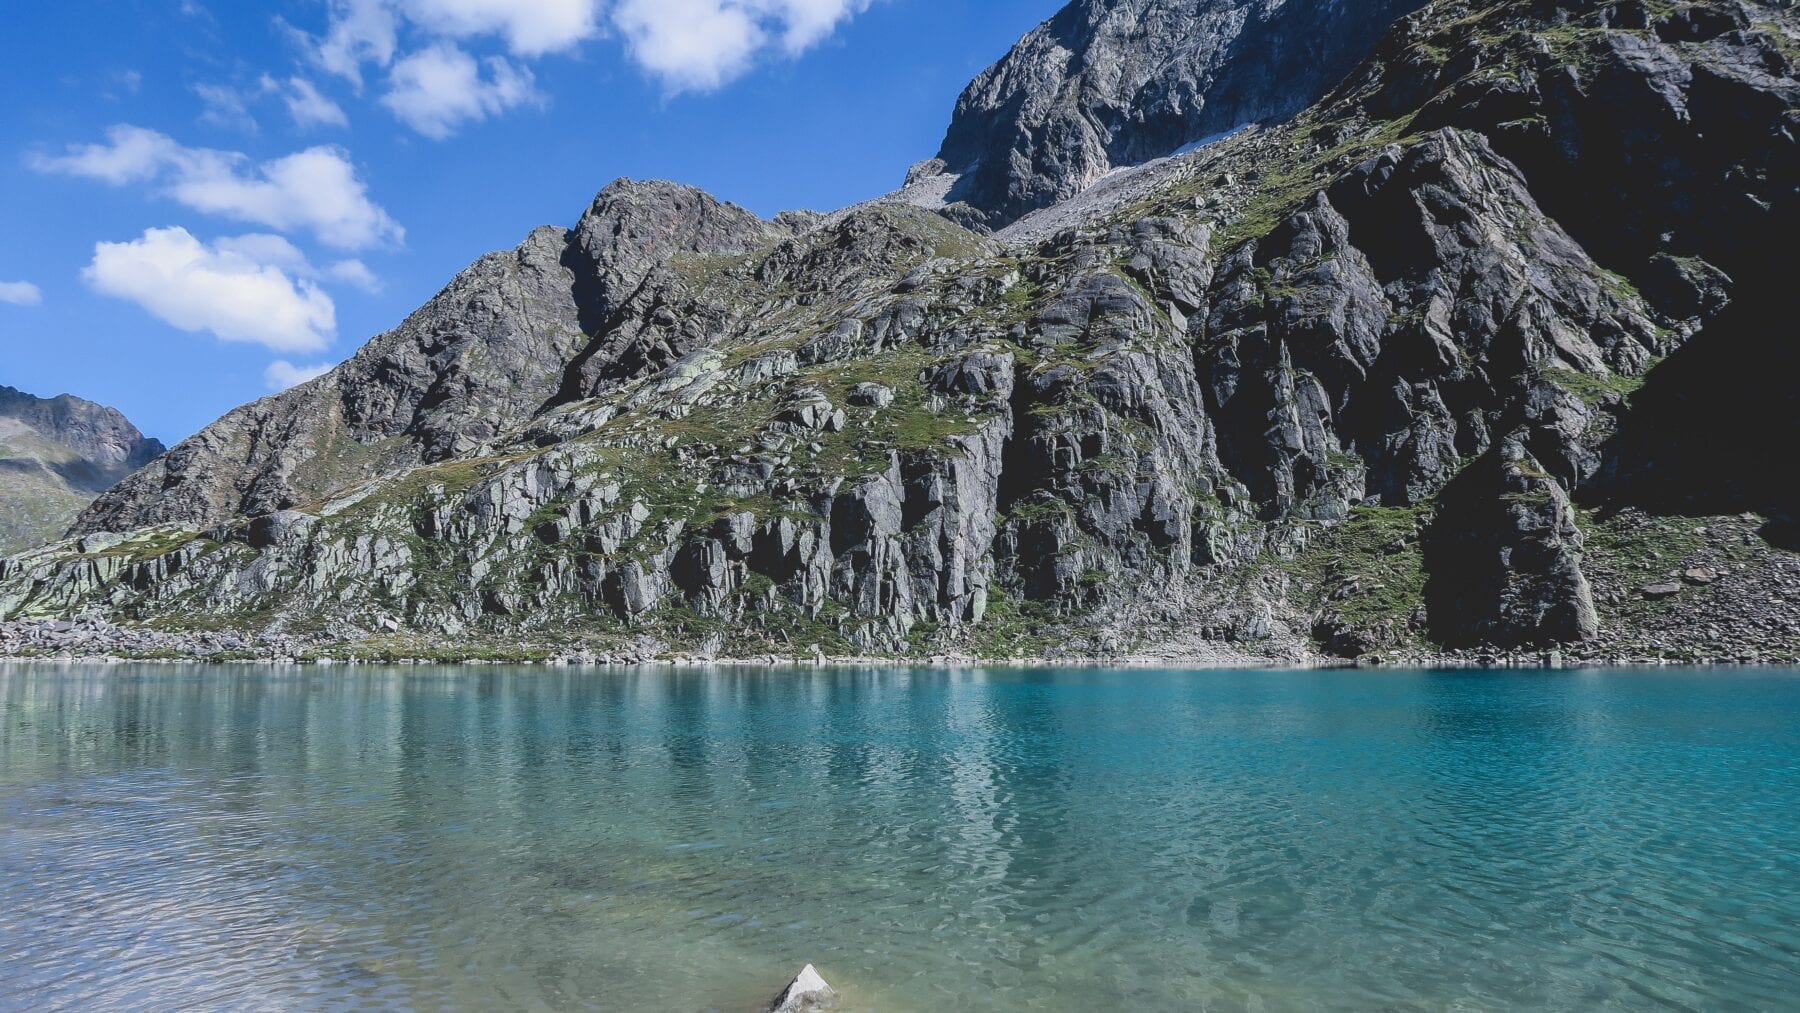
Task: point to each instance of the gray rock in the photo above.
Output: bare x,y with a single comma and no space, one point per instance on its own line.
808,991
677,427
1106,83
1505,554
871,395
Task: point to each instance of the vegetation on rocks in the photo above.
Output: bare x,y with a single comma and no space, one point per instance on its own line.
1364,580
1377,376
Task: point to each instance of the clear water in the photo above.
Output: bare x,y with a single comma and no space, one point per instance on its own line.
933,840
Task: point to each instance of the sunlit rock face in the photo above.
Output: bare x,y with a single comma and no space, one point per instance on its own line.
1465,353
1108,83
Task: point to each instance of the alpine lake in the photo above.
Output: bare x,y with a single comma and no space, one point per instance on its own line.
931,839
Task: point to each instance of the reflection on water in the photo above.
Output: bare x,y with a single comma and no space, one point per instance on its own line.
931,839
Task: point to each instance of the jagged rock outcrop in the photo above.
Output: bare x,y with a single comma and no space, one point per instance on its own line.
487,351
1106,83
1505,558
1401,372
1397,315
56,455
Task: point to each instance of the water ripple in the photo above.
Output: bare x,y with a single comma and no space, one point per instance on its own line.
932,840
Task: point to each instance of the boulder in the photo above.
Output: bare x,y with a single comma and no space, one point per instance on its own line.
871,395
808,991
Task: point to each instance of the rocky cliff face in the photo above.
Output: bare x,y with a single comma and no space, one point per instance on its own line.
56,455
1453,357
1109,83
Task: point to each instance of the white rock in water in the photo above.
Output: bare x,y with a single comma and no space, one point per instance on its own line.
806,992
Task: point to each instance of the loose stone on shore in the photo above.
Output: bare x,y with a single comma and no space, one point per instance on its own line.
807,992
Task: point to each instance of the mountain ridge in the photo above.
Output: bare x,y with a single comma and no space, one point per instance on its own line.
1387,378
57,454
1110,83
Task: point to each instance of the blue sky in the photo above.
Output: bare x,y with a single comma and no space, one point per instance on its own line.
202,200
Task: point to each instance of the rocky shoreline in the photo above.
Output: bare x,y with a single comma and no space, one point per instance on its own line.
93,641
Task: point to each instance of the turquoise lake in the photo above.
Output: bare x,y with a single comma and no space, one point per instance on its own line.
931,839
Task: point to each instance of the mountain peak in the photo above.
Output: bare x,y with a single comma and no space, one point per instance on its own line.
102,434
57,454
1413,368
1110,83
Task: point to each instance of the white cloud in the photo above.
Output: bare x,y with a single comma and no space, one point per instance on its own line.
439,88
362,31
227,288
131,155
316,190
368,31
355,273
20,293
226,107
307,106
232,108
530,29
691,45
283,374
806,23
699,45
263,248
275,251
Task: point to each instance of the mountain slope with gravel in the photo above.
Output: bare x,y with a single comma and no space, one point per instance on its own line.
1471,344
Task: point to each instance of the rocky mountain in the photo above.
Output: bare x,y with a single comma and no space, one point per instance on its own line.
1475,341
56,455
1110,83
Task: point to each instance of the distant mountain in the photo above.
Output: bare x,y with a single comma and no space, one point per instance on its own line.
1479,339
56,455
